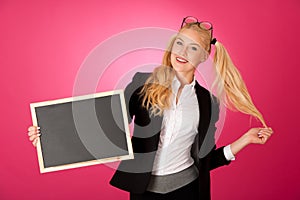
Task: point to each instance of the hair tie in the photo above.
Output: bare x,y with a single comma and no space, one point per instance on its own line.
213,41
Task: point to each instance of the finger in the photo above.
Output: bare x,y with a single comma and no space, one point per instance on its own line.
259,140
35,141
31,138
263,138
269,130
30,133
266,130
264,133
33,128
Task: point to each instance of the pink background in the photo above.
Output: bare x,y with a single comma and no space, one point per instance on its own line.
43,44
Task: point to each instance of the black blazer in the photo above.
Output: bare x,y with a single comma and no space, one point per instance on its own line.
133,175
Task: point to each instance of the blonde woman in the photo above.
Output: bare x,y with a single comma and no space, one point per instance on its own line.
174,120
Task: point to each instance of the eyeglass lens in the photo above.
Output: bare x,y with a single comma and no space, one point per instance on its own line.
204,25
189,20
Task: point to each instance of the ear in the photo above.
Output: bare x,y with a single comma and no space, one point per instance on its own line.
204,57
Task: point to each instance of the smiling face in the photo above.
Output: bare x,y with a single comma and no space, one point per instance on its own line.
187,52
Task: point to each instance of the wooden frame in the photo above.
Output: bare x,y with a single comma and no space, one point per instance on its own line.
52,139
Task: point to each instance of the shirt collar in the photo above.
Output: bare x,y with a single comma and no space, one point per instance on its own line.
176,82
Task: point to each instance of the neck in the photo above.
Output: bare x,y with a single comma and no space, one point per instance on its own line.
185,78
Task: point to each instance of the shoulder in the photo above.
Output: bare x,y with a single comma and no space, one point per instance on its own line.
138,81
141,77
200,88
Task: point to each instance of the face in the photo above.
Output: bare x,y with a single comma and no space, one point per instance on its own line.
187,52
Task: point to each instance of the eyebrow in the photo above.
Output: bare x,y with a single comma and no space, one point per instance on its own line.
189,43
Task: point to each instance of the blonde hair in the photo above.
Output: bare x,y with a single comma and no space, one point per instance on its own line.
157,89
231,88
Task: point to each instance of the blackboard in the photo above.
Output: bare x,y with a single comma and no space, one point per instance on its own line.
82,131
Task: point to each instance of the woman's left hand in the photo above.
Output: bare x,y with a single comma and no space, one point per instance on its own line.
258,135
252,136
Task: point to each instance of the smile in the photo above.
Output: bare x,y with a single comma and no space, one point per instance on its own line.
181,60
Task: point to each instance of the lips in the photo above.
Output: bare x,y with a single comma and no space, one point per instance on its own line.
181,60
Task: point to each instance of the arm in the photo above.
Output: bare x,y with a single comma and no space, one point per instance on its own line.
252,136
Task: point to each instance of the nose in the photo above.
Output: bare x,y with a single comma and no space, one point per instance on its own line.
183,51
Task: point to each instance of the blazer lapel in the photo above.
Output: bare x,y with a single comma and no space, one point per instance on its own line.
204,104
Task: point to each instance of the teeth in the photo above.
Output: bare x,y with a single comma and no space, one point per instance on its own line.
181,60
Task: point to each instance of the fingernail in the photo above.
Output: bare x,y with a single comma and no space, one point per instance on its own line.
38,135
38,131
38,128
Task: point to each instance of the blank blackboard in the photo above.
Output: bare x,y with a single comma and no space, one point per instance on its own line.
82,131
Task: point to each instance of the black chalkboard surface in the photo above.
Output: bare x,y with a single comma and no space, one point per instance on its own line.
82,131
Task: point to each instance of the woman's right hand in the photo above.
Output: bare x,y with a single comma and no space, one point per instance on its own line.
34,134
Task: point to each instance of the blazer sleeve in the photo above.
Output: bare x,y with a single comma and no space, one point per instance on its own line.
215,157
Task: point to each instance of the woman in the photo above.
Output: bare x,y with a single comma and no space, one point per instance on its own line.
174,120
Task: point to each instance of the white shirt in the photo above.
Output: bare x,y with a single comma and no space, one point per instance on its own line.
179,128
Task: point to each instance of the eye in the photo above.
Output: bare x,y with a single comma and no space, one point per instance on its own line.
178,42
194,48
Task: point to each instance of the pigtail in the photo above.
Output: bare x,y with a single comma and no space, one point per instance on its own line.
230,85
